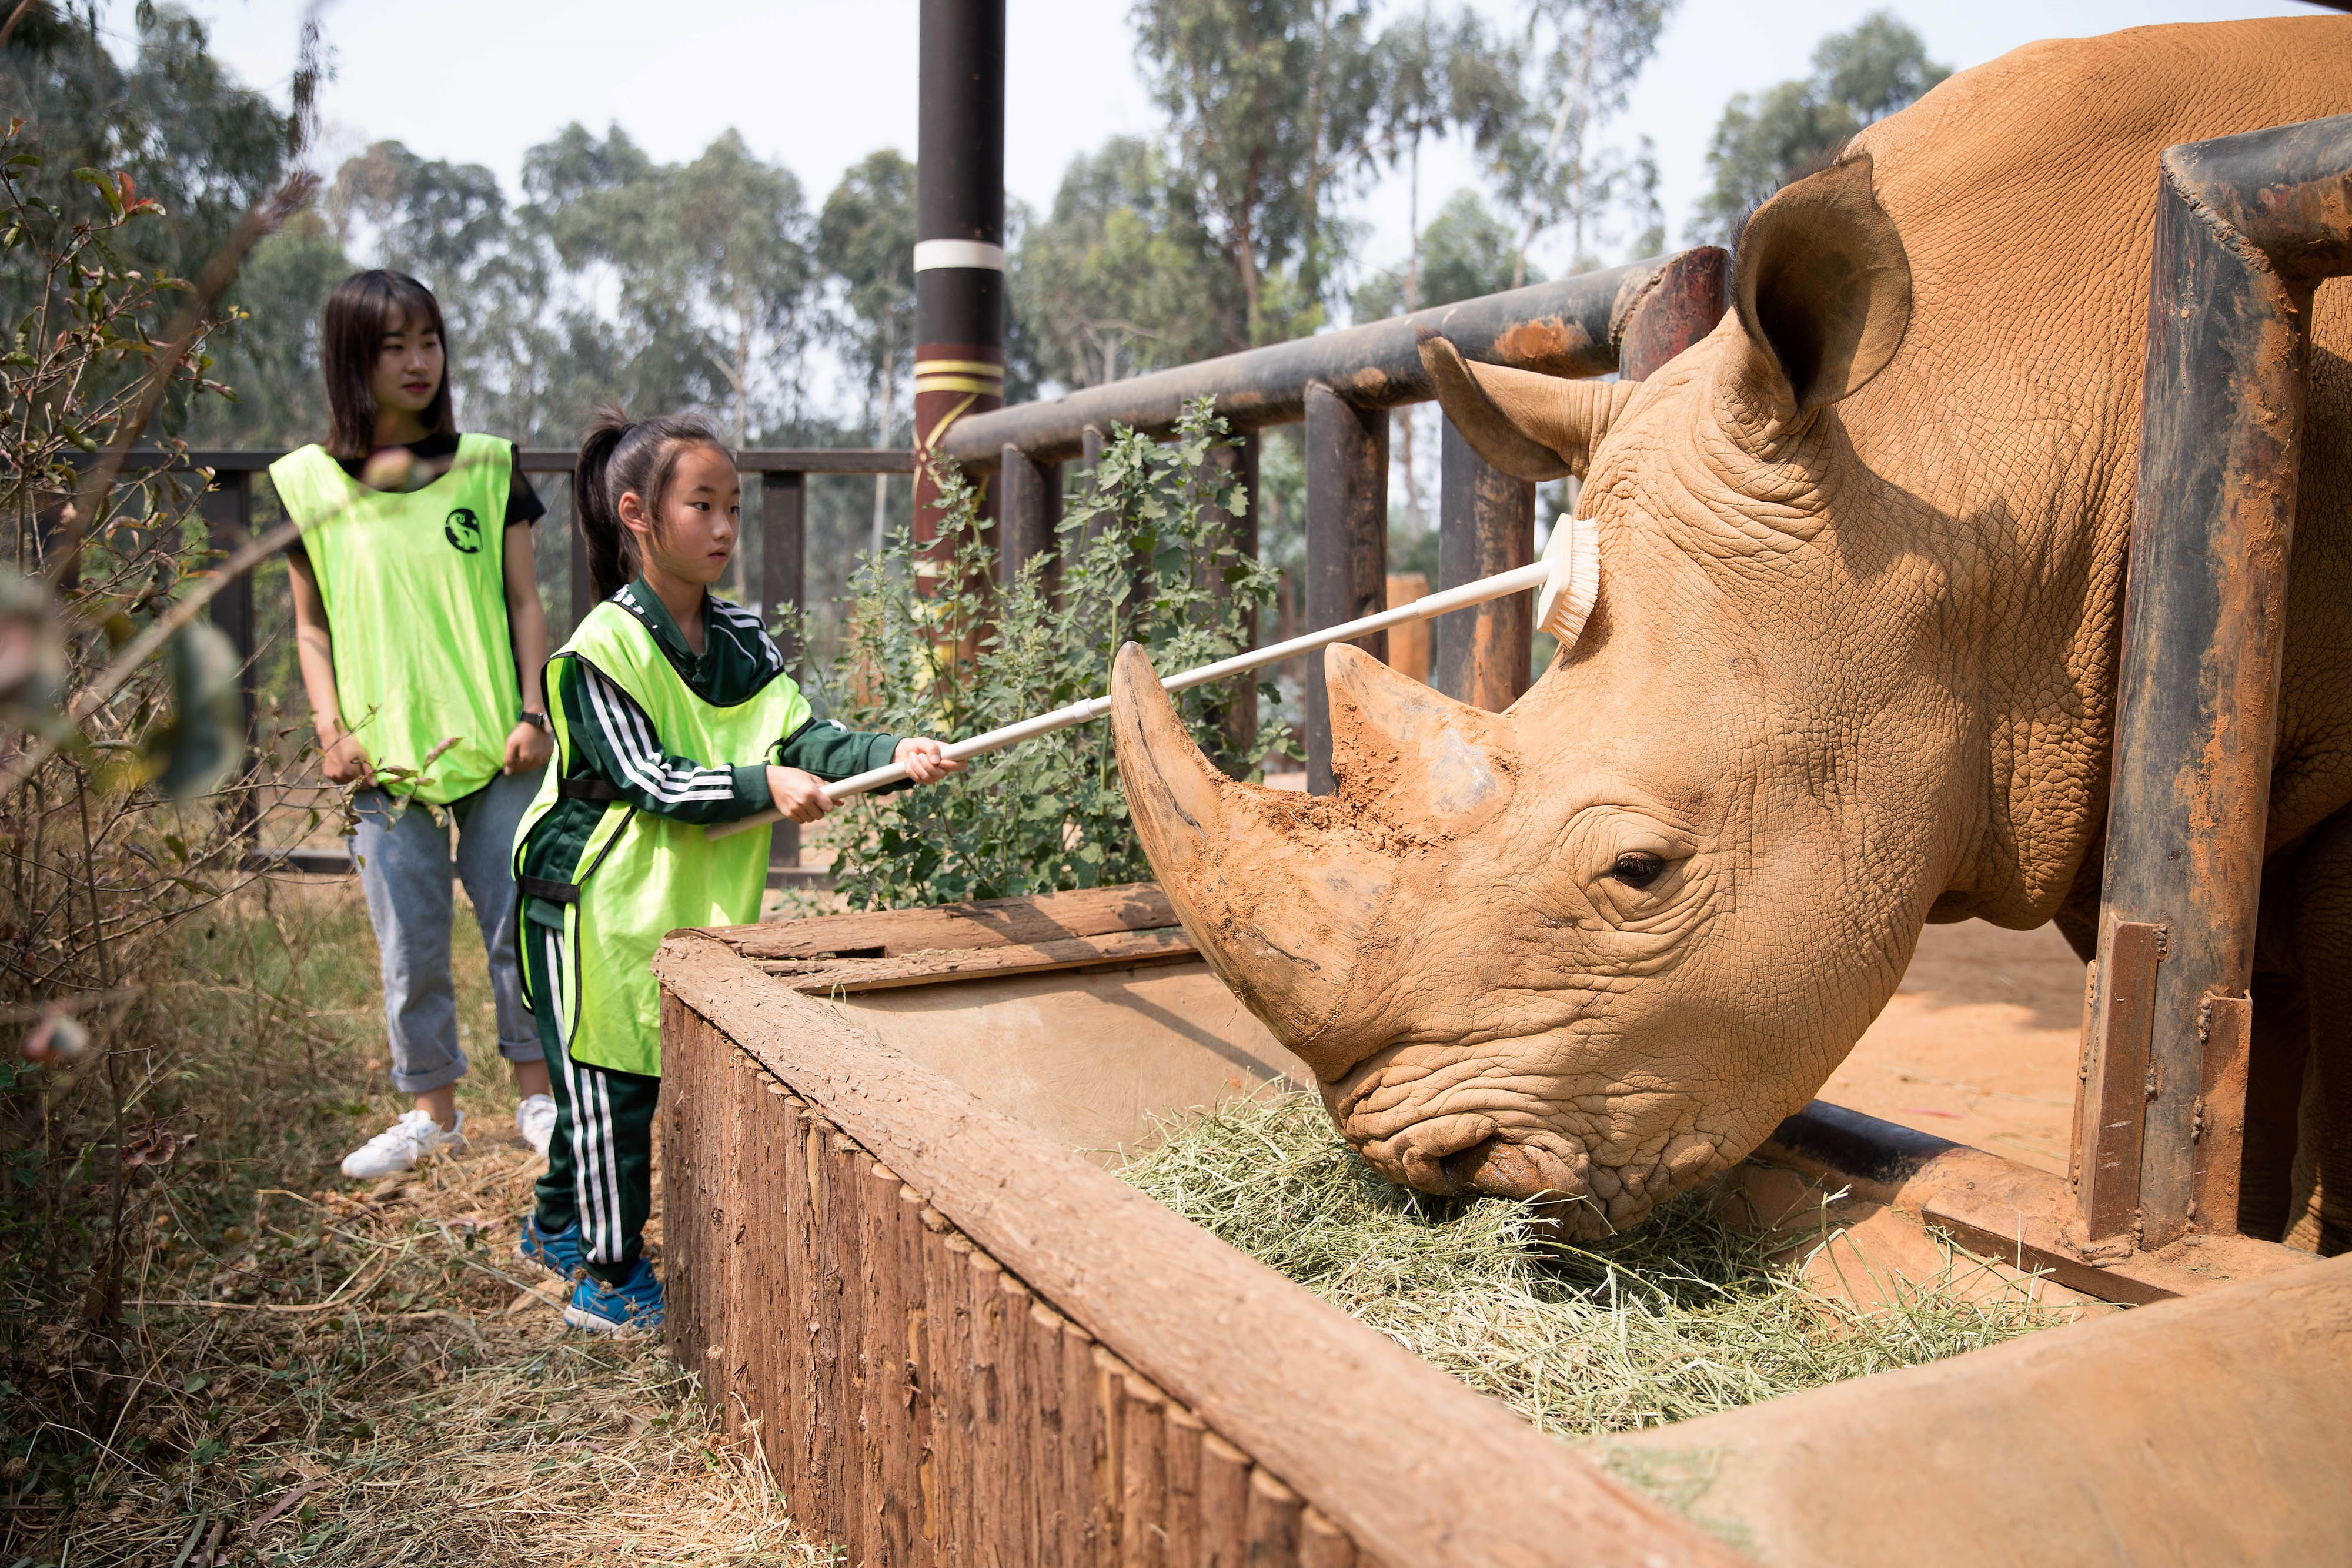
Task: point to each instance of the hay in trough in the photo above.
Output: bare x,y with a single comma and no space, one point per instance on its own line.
1684,1316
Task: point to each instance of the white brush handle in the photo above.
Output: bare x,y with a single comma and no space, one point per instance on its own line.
1499,586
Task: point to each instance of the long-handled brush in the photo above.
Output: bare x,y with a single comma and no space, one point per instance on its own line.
1567,577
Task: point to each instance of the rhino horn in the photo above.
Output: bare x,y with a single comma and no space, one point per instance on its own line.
1413,756
1279,895
1530,426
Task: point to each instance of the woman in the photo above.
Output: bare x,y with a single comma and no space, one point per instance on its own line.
418,625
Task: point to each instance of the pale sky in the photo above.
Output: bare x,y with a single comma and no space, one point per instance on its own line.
818,84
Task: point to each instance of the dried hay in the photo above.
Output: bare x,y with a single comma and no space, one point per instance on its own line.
1684,1316
367,1377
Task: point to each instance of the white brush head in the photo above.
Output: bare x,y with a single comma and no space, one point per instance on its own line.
1567,598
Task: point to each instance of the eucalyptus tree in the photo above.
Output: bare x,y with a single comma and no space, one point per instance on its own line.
1273,113
1120,277
1554,166
1767,140
866,242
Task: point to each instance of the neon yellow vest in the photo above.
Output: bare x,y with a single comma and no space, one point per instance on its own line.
641,877
414,586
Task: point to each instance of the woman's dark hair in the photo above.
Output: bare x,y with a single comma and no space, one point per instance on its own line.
359,311
616,456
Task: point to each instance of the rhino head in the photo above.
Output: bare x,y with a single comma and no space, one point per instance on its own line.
1594,948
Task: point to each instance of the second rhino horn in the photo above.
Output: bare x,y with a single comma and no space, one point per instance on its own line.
1413,756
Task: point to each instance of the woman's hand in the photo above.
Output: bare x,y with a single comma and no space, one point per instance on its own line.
343,761
528,749
925,760
799,796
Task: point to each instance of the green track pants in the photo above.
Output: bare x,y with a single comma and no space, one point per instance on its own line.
600,1165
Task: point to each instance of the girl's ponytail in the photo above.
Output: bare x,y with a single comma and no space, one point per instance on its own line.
619,456
612,552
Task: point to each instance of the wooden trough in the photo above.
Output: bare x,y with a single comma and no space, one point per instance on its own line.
957,1339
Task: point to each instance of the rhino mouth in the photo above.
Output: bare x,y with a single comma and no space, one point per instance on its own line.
1592,1163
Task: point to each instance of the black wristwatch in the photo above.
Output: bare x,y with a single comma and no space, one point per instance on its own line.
536,720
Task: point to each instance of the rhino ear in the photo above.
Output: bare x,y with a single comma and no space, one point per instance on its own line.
1822,286
1528,425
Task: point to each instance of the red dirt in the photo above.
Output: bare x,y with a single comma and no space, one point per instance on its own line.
1980,1044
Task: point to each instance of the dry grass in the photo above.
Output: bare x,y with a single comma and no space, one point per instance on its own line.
313,1372
1684,1316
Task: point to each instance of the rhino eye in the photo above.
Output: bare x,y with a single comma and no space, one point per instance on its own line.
1636,869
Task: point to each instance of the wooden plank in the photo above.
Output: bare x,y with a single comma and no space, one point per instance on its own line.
1057,1531
1323,1544
796,1226
846,1189
1475,1485
779,1201
1181,1434
1092,1535
1271,1528
1018,1514
1110,1457
828,1410
994,1481
1143,1474
1225,1504
950,1333
767,1344
988,923
834,977
739,1317
916,1501
890,1438
689,1044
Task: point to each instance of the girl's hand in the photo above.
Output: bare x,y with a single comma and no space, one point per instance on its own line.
799,796
344,761
528,749
925,759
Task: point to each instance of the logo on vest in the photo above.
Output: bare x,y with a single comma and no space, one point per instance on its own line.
464,531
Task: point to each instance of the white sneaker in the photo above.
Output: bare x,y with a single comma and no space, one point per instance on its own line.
535,1120
399,1146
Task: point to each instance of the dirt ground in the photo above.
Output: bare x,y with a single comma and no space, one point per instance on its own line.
1979,1044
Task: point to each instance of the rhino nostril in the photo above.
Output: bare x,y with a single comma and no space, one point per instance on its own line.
1500,1169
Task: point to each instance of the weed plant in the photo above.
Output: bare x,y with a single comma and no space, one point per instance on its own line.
305,1372
1684,1316
1146,554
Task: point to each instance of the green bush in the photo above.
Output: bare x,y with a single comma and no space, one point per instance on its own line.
1145,556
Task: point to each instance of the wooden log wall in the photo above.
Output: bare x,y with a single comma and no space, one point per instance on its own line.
921,1401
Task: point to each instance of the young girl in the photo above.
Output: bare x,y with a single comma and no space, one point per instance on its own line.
418,626
672,711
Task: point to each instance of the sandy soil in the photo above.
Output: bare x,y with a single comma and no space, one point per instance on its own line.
1978,1045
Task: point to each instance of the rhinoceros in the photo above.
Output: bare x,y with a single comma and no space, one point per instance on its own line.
1852,669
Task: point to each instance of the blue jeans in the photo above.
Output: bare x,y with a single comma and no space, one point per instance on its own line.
405,868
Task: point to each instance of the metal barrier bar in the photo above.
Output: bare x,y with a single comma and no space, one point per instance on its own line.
1568,327
1347,544
2246,227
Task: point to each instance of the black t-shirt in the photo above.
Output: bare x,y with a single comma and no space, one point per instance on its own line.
523,506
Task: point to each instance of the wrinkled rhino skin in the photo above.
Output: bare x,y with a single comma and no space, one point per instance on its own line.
1852,669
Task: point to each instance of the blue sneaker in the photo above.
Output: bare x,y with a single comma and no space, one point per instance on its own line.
558,1251
635,1304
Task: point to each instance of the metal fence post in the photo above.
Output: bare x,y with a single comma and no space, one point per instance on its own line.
784,568
1029,500
583,585
2246,226
1485,524
1239,460
226,507
1347,544
1680,308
